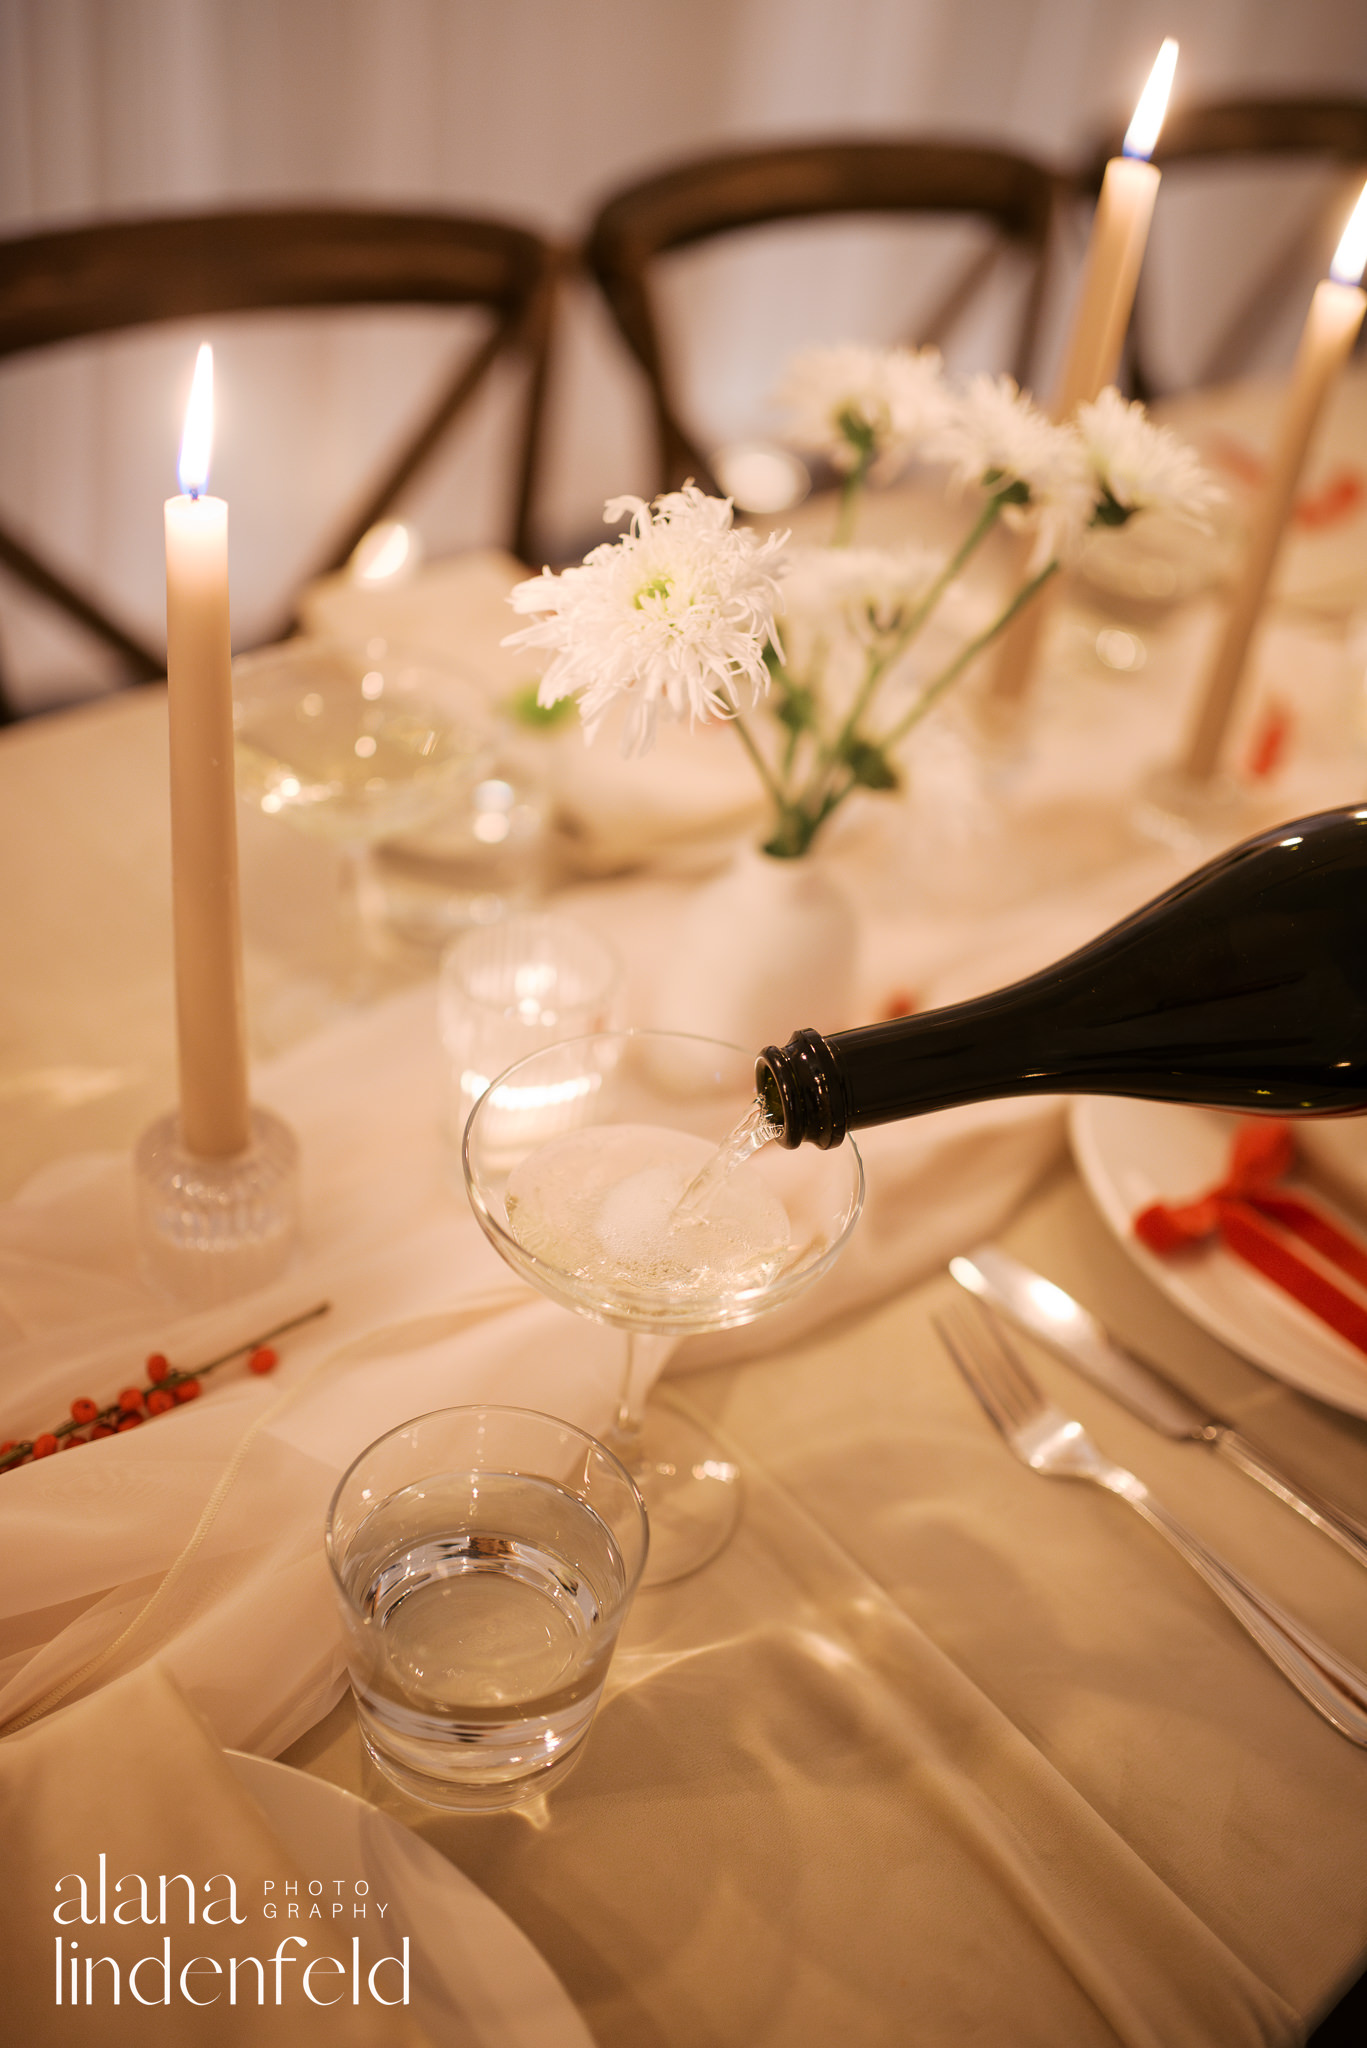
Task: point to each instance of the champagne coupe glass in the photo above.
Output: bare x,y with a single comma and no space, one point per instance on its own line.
653,1092
353,743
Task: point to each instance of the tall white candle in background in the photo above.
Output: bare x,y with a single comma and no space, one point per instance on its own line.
1115,250
210,1018
1331,328
1101,316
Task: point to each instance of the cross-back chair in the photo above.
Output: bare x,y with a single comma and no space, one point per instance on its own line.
81,282
718,195
1328,130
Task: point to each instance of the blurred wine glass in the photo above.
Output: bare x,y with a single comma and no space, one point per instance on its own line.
353,744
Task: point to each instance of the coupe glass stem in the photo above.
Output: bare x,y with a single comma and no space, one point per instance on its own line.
361,957
351,881
646,1354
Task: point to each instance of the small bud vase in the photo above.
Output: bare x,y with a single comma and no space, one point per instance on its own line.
764,948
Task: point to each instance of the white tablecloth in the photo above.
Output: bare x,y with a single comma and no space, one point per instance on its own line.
934,1750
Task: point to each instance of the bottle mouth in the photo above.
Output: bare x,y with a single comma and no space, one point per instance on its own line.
802,1091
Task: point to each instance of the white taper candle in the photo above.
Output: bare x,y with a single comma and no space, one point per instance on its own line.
210,1016
1331,328
1101,316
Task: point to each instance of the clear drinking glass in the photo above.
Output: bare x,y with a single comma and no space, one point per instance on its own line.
509,988
647,1096
484,1560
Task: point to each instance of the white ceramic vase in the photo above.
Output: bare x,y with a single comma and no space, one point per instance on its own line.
764,948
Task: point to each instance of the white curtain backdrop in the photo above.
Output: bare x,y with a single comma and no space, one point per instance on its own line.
533,110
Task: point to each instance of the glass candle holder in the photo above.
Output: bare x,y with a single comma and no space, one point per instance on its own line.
210,1229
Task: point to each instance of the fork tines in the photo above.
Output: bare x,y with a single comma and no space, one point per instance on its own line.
990,1363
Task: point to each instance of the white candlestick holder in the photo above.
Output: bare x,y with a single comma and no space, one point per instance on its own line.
211,1229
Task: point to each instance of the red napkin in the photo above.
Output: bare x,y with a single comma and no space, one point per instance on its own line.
1258,1222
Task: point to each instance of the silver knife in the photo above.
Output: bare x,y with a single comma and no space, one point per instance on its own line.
1043,1310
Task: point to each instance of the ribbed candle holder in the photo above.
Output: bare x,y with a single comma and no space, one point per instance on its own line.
210,1229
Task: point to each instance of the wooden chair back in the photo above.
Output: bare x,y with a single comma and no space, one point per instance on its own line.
718,195
80,282
1334,131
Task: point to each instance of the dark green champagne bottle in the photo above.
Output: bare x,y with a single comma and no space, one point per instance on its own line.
1245,987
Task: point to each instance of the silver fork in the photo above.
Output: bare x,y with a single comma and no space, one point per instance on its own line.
1048,1441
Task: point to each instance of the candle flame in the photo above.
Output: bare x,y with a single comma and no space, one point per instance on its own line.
1142,133
197,440
1350,257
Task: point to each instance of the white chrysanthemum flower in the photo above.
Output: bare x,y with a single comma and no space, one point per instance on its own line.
996,437
855,404
871,590
1139,467
675,614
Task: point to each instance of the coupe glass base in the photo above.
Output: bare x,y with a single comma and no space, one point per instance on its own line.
692,1491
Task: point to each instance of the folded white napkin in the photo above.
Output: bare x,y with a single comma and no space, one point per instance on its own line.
101,1806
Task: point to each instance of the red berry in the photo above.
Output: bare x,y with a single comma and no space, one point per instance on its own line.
11,1445
263,1359
84,1410
188,1390
130,1400
158,1365
100,1429
73,1443
44,1445
159,1400
129,1422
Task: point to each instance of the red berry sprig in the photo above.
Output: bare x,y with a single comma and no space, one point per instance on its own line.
167,1388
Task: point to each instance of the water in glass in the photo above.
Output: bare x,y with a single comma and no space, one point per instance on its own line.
486,1594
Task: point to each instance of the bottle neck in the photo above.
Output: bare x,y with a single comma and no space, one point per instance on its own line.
803,1091
818,1089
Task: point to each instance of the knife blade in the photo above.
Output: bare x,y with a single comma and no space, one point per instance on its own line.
1045,1311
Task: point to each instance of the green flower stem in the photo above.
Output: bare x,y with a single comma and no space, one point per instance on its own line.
851,491
798,819
764,771
935,690
972,540
881,661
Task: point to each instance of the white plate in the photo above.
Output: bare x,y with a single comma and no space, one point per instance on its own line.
1133,1153
475,1980
1336,1148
